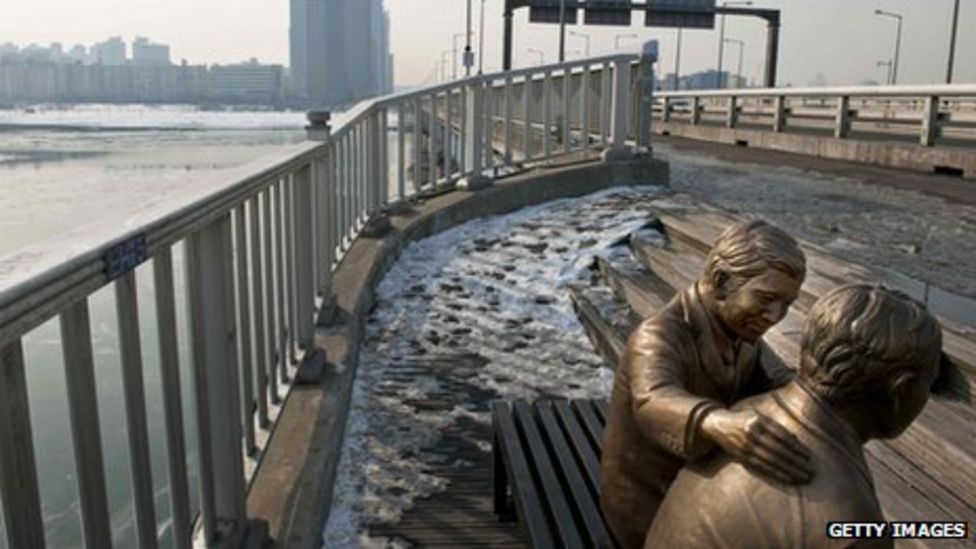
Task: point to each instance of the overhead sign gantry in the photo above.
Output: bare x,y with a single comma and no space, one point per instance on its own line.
695,14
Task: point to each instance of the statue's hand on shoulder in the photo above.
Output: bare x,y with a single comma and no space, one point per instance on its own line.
760,444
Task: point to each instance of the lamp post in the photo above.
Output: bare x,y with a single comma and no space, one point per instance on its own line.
542,56
742,47
584,37
719,81
616,39
562,30
952,41
887,65
454,52
898,16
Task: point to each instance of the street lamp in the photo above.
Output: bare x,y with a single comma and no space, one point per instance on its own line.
542,56
719,82
742,47
898,16
887,65
616,38
584,37
454,52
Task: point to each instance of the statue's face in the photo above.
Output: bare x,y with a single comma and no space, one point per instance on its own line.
754,307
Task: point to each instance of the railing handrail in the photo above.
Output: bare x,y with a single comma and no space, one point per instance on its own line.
925,90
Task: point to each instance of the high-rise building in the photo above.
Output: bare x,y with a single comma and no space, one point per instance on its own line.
339,51
110,52
145,52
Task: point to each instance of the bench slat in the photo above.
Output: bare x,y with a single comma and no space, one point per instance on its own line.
527,501
592,425
586,505
565,525
582,446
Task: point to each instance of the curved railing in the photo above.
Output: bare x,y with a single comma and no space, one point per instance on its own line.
934,115
255,248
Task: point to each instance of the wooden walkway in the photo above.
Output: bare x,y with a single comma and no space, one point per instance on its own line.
461,516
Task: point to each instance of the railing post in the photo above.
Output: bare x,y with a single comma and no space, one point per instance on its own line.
133,392
169,365
732,117
620,112
930,122
475,130
304,253
79,373
646,118
695,110
18,470
842,124
509,113
779,114
212,341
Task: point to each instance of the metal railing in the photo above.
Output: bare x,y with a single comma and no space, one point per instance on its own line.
259,247
932,115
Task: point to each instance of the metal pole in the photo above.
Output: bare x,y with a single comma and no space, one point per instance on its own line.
721,51
742,49
952,41
562,31
894,71
481,38
677,62
509,31
467,47
772,50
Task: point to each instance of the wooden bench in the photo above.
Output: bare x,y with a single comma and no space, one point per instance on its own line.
547,467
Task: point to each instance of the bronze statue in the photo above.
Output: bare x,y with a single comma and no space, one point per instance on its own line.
869,357
686,365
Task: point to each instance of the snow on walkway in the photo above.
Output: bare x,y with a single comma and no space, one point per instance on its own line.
484,308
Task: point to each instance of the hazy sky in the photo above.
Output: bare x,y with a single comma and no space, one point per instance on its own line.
842,39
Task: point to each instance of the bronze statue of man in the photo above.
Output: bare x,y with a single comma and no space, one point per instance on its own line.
684,368
868,359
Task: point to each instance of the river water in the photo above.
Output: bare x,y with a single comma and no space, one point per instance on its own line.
62,168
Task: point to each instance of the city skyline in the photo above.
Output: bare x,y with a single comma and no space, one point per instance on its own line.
828,40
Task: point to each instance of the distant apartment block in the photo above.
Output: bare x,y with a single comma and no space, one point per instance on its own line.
110,52
249,82
340,51
103,74
145,52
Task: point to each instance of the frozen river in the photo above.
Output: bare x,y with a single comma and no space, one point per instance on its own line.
63,168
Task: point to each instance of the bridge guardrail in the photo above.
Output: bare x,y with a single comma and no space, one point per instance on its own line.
259,246
940,114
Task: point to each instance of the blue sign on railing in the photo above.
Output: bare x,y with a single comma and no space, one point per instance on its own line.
124,256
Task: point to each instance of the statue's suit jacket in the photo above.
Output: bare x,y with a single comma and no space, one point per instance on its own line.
720,504
670,376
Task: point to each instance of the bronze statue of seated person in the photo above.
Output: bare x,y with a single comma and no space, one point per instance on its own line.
687,365
869,357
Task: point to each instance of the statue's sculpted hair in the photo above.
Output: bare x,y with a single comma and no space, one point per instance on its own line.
746,250
860,336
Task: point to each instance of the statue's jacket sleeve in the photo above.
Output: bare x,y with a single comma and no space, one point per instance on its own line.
663,369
